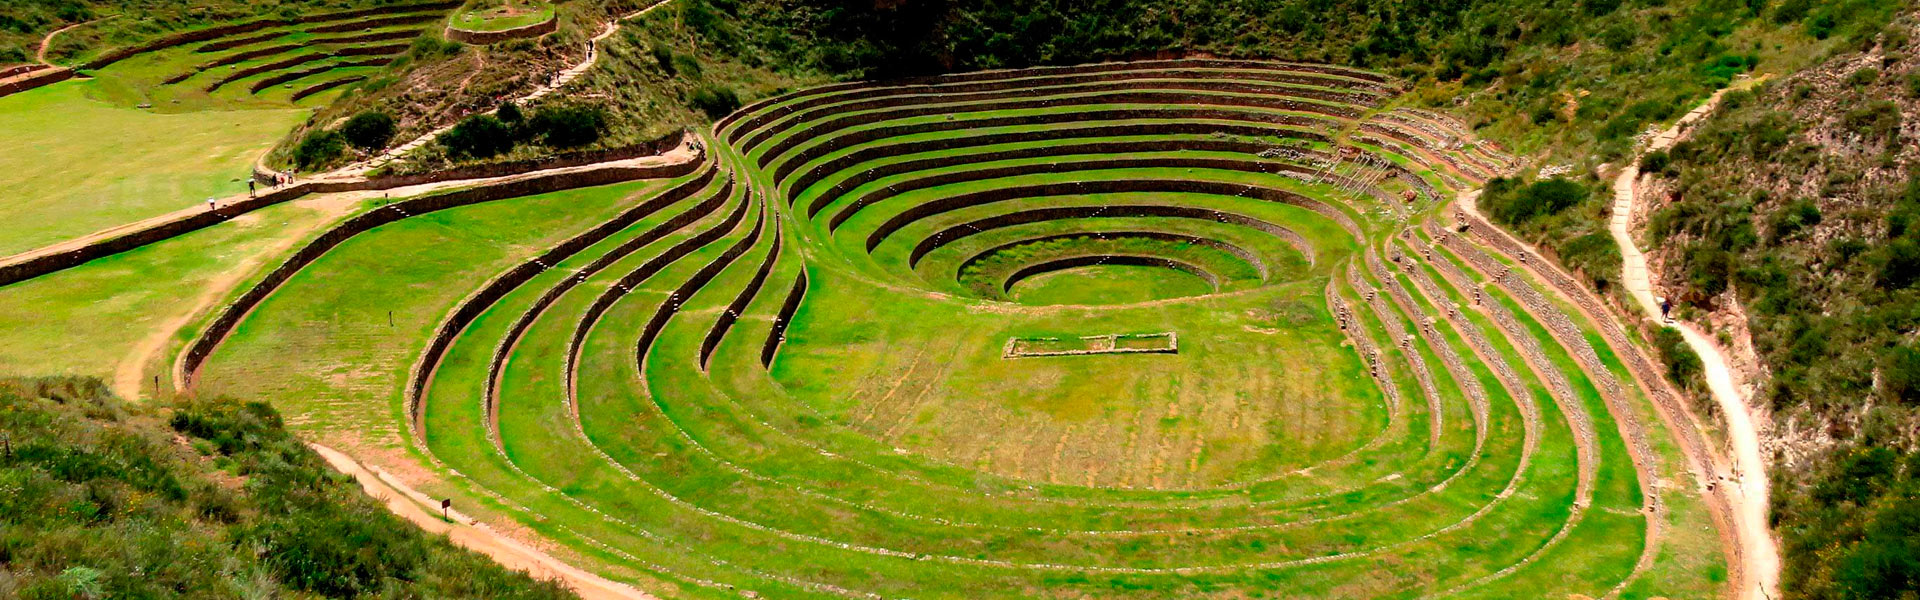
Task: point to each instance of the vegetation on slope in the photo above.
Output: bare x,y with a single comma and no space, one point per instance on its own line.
206,499
1793,212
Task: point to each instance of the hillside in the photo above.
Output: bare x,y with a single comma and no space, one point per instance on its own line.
100,498
1787,222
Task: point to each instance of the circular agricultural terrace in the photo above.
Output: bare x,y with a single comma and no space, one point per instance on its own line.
1189,328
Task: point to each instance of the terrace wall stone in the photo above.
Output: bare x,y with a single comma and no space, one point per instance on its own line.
201,35
482,38
35,80
223,325
778,335
474,305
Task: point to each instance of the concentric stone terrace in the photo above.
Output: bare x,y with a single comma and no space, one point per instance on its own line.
782,369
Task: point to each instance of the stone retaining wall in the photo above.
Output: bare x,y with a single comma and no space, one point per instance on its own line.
499,286
482,38
14,273
1035,72
964,230
778,335
202,35
387,50
758,120
223,325
1070,262
20,69
951,203
869,175
862,155
640,274
1178,238
324,86
700,279
267,82
36,80
1199,108
731,315
1222,164
1124,91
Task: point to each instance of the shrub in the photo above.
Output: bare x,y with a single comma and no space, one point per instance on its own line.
1682,364
1863,77
663,56
1709,268
319,148
1655,162
715,100
1877,120
1512,204
479,136
1900,374
1913,84
1900,265
686,64
432,46
368,130
510,114
1793,218
568,126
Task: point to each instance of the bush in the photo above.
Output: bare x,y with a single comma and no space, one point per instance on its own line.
1655,162
569,126
1709,268
1877,120
1900,374
1793,218
479,136
715,100
1900,266
663,56
368,130
1509,203
432,46
318,149
510,114
1863,77
1682,364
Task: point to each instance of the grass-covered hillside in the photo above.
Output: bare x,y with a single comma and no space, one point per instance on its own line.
214,499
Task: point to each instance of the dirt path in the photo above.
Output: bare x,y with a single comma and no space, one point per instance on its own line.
46,43
1758,548
473,535
560,80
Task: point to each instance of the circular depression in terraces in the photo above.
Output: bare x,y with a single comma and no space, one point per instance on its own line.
797,371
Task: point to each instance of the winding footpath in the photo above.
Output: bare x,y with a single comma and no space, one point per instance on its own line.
1758,548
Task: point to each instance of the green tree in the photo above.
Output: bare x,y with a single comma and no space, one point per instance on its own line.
369,130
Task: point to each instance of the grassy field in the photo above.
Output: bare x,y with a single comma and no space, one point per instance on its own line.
502,15
1109,284
57,187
